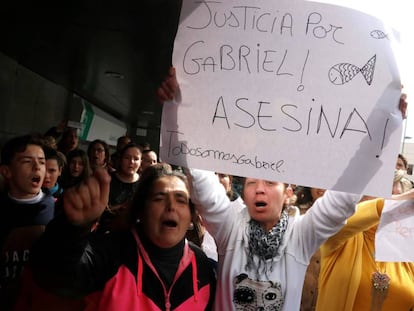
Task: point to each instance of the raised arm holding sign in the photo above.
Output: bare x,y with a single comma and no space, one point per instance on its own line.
241,104
260,266
283,77
352,277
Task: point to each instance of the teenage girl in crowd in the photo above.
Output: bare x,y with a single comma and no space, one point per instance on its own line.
124,182
77,168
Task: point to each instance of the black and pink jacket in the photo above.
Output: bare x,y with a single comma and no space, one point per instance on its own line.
114,272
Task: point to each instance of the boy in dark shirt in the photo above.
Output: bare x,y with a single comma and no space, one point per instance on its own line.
26,210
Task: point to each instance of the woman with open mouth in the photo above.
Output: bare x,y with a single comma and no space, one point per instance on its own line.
265,249
150,266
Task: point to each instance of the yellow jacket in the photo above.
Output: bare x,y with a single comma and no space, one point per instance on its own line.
347,262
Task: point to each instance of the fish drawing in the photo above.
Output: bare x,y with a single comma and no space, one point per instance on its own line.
344,72
378,34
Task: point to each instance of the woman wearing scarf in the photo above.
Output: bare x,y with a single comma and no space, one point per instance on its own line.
264,250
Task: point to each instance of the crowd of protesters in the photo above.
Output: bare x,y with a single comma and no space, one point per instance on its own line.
87,229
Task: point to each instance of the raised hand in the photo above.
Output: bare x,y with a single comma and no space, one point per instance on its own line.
169,87
84,204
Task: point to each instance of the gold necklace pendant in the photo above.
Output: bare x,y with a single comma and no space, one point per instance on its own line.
380,285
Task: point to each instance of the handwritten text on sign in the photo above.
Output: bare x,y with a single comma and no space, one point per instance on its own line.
395,232
300,92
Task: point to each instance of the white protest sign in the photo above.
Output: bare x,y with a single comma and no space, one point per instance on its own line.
300,92
395,234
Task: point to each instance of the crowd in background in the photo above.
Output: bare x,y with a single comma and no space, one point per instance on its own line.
126,231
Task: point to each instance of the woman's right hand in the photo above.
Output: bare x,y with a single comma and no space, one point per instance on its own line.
83,205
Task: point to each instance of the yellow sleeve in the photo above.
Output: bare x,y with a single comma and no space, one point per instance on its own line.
338,286
366,216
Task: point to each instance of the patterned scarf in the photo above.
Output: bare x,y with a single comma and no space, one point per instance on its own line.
265,245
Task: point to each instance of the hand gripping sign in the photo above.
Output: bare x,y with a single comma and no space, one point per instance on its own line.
294,91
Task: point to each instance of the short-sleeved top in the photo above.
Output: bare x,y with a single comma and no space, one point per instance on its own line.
120,192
